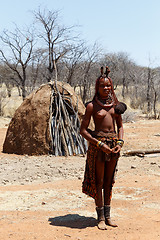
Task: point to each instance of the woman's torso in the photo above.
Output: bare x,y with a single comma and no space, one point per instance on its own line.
104,118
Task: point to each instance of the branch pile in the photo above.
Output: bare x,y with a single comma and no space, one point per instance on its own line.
65,125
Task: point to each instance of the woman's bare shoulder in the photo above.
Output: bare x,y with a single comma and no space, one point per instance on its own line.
89,105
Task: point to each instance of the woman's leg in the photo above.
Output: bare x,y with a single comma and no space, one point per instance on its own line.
108,182
100,167
109,171
100,164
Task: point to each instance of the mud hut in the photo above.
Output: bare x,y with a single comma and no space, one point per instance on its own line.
47,122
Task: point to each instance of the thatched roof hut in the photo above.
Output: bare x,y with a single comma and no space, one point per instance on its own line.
31,129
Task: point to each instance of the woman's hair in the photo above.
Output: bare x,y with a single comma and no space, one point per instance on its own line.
120,107
103,75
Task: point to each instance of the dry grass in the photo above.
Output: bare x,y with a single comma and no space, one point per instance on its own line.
9,104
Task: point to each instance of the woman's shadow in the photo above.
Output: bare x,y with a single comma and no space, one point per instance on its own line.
73,221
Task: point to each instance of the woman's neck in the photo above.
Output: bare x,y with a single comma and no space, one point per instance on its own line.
106,100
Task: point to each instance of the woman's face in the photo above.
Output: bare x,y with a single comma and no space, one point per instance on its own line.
104,87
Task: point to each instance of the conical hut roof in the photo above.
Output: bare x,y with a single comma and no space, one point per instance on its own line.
29,130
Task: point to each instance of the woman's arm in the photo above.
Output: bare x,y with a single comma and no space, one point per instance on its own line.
120,132
119,123
85,124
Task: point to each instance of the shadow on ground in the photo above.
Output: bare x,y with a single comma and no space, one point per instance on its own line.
73,221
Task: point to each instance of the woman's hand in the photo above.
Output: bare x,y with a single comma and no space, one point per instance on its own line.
116,149
106,149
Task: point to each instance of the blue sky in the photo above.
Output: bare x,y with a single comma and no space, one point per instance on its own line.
130,26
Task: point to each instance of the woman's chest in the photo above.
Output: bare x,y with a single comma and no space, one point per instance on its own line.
102,113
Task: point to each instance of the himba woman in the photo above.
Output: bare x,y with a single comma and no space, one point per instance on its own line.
105,144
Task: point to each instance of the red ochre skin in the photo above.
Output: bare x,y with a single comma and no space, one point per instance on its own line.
105,120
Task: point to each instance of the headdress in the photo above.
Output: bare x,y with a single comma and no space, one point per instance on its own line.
120,107
103,75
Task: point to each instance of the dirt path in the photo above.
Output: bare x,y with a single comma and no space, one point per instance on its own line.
40,197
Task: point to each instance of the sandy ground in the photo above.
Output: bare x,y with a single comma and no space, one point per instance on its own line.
41,198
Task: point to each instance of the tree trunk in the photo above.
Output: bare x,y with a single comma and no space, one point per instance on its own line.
154,105
23,90
140,152
148,92
123,87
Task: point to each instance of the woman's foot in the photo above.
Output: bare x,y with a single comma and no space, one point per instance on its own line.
101,219
110,223
101,225
108,220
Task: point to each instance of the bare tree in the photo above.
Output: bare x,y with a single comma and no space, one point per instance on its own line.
155,85
72,63
5,78
58,38
16,54
89,70
149,77
36,70
137,87
121,66
111,60
3,103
